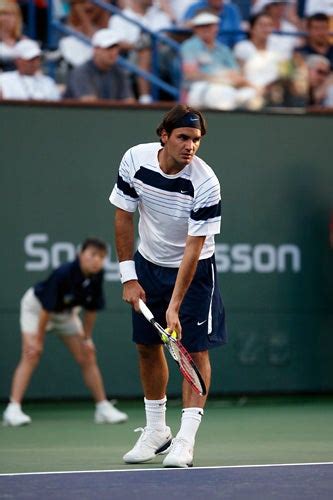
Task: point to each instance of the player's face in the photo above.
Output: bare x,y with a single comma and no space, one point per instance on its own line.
92,260
180,146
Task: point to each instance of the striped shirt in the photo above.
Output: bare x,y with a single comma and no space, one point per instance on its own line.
170,206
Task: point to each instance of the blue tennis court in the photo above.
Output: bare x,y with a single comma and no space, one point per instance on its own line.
269,482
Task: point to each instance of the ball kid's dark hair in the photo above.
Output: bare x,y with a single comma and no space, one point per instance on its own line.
94,242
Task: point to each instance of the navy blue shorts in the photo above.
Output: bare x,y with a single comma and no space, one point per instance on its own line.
201,314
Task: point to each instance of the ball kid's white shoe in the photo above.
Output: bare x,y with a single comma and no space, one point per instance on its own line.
14,416
106,413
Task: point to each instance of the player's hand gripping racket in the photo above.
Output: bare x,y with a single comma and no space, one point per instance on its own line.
178,352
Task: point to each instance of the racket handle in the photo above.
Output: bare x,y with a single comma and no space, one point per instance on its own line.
145,311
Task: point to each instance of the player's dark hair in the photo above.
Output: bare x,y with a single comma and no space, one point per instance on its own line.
94,242
318,16
175,116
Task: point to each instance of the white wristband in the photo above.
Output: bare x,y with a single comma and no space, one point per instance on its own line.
127,271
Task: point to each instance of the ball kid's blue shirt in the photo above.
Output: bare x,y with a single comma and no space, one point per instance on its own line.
68,287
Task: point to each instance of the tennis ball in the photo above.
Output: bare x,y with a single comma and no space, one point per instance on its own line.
173,333
164,337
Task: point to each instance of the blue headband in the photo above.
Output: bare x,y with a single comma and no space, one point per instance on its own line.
188,120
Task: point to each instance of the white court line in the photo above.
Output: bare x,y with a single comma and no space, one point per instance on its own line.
162,469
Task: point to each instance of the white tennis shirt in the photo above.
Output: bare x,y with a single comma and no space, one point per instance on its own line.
13,85
170,206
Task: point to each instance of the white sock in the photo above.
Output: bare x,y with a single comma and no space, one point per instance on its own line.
14,403
191,419
102,404
155,413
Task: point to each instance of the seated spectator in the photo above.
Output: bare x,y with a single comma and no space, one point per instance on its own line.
318,38
85,18
292,12
136,44
27,82
320,80
10,33
229,18
279,42
101,77
324,6
211,75
261,65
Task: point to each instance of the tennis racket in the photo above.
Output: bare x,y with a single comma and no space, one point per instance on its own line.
178,352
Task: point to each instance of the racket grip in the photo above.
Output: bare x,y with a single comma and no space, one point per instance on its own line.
145,311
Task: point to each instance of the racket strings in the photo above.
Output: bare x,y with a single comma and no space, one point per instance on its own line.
178,353
174,351
185,364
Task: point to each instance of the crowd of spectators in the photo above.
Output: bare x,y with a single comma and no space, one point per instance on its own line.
272,53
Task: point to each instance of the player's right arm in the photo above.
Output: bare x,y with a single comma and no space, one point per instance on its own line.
124,230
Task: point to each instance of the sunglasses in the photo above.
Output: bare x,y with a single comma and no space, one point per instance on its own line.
322,72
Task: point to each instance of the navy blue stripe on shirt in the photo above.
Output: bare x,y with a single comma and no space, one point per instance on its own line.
178,185
126,188
206,213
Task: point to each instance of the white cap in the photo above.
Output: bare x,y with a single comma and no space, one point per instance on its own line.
204,18
27,49
105,38
260,5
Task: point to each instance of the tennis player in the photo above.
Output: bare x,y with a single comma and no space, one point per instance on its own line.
54,304
173,271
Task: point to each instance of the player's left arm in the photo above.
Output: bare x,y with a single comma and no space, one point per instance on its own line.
185,275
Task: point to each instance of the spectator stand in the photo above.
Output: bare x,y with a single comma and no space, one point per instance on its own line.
158,84
168,37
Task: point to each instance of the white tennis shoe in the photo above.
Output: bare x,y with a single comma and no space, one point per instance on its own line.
152,442
106,413
14,416
180,454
